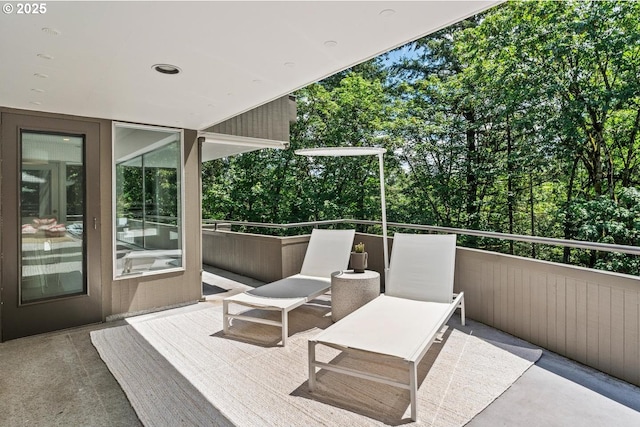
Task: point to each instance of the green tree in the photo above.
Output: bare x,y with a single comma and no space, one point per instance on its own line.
524,120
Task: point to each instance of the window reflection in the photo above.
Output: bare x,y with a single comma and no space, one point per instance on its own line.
52,216
148,201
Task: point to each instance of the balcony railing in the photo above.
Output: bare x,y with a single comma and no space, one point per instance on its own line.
604,247
588,315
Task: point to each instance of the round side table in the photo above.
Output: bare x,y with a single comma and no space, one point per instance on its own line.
350,291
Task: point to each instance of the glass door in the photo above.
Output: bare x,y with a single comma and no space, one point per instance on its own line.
52,216
51,276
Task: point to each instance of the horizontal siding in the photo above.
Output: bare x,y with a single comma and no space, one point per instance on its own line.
269,121
587,315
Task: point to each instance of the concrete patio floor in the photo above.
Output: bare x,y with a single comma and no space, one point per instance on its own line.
58,379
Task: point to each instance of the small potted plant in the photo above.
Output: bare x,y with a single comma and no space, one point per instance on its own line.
359,258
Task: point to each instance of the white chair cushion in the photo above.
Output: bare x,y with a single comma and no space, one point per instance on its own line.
388,325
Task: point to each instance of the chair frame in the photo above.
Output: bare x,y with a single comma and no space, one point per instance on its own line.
284,306
421,342
319,271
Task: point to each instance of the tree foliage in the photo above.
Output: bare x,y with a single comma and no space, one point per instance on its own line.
524,120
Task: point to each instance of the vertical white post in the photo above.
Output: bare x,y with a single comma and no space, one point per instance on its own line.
312,365
383,202
462,314
225,316
413,390
285,327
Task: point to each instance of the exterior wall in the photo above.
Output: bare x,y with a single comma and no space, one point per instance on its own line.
144,292
269,121
155,291
587,315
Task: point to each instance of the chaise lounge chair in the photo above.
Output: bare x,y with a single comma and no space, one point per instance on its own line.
403,322
328,251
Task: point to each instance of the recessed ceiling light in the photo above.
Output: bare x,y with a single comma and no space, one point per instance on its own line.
44,56
35,102
41,76
37,90
256,81
166,69
330,43
51,31
387,12
65,139
290,64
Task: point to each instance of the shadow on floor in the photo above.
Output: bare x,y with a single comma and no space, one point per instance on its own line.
231,276
208,289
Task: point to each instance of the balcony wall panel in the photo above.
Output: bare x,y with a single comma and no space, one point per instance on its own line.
605,329
593,325
581,321
587,315
571,322
266,258
373,246
617,334
554,315
293,251
631,336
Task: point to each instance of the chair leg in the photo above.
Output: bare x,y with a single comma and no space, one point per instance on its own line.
413,390
312,367
285,327
225,317
462,313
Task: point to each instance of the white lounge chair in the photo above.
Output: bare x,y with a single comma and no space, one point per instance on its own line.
328,251
403,322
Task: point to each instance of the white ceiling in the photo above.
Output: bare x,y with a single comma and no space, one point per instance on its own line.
234,55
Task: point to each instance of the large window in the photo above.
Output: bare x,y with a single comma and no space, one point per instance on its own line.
148,199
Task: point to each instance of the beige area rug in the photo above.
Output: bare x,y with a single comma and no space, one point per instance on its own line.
177,368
